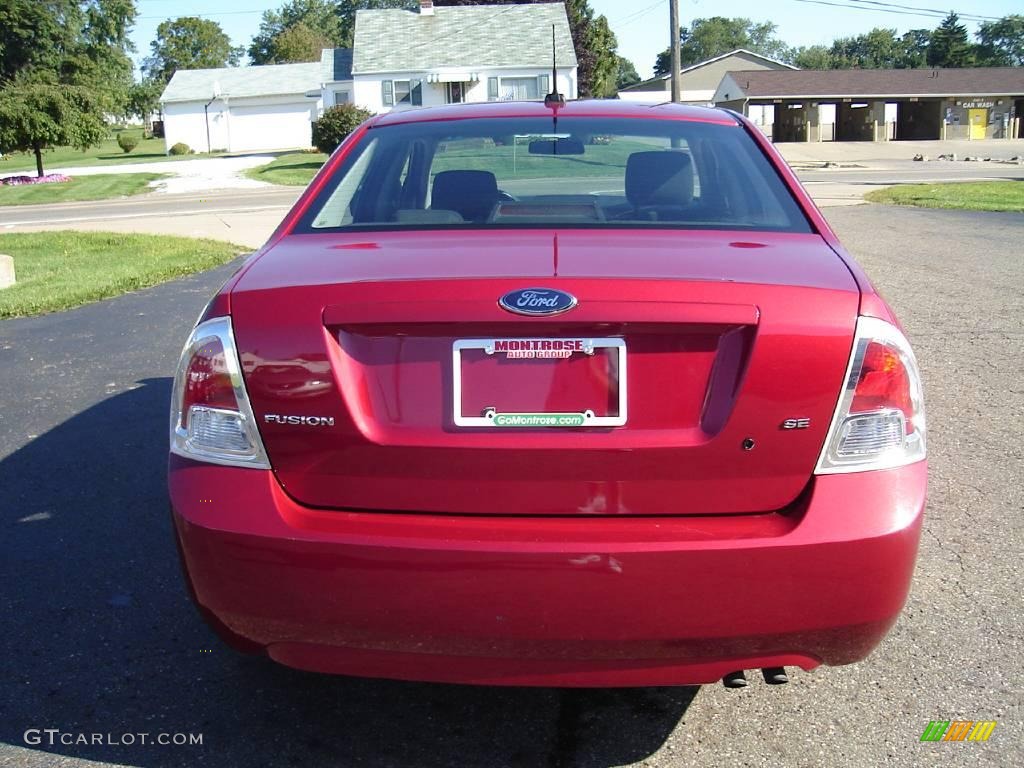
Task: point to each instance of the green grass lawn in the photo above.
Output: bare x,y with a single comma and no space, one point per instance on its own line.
506,162
295,169
60,270
107,153
98,187
970,196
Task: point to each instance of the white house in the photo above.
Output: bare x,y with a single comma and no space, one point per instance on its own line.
400,59
242,109
336,73
455,54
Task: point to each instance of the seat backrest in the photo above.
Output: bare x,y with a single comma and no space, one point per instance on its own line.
471,194
433,216
662,178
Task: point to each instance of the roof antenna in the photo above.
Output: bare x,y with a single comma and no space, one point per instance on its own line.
554,99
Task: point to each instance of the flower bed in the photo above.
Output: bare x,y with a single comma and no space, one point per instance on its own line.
50,178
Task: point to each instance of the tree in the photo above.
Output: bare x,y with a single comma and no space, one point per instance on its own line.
813,57
36,113
596,46
1001,43
317,17
601,79
64,66
188,43
144,100
706,38
34,34
626,75
914,49
949,45
99,55
878,49
300,43
81,43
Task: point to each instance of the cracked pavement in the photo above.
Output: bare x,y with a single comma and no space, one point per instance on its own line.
99,635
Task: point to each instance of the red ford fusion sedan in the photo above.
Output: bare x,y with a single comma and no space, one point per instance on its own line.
541,394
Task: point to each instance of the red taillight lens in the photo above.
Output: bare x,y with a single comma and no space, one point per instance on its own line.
879,422
211,416
207,380
884,383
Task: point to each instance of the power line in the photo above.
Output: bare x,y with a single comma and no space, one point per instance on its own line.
919,8
920,12
636,15
200,15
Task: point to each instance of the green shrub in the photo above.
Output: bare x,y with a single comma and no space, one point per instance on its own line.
127,142
335,124
180,149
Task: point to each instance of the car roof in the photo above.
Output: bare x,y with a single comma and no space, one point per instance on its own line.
582,108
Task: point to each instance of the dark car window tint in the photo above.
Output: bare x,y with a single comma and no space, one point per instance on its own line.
578,172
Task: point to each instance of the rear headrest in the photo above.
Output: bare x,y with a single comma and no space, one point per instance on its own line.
659,178
471,194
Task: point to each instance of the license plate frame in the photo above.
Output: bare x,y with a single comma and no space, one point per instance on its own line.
537,419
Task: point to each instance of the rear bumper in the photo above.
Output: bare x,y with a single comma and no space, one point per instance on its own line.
552,601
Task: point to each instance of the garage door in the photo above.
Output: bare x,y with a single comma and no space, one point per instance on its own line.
271,126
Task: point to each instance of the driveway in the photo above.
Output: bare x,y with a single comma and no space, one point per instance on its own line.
184,176
99,636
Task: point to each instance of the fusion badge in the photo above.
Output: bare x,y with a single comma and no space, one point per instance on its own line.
309,421
537,301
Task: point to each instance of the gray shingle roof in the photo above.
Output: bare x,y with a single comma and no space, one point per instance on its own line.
880,82
462,36
336,64
240,82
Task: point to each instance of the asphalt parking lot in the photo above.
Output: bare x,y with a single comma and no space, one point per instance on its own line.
99,636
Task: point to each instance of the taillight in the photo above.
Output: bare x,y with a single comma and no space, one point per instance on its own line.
211,418
879,422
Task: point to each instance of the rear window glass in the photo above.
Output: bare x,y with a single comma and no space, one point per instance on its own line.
576,172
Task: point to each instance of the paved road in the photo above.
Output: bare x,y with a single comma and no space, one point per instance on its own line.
909,172
98,635
274,200
245,217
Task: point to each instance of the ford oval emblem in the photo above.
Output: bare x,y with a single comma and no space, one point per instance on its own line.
537,301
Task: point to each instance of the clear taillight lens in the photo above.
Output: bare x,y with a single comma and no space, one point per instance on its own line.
879,422
211,418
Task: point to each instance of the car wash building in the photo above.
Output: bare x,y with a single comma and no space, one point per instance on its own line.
880,104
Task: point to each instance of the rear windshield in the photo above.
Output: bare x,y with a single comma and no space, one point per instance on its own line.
536,172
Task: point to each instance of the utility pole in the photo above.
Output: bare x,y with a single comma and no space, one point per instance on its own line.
673,20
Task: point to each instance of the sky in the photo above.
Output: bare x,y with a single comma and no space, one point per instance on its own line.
641,26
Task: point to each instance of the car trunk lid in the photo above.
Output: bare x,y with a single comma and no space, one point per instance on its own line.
727,338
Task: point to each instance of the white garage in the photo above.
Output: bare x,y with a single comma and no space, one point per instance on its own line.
242,109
